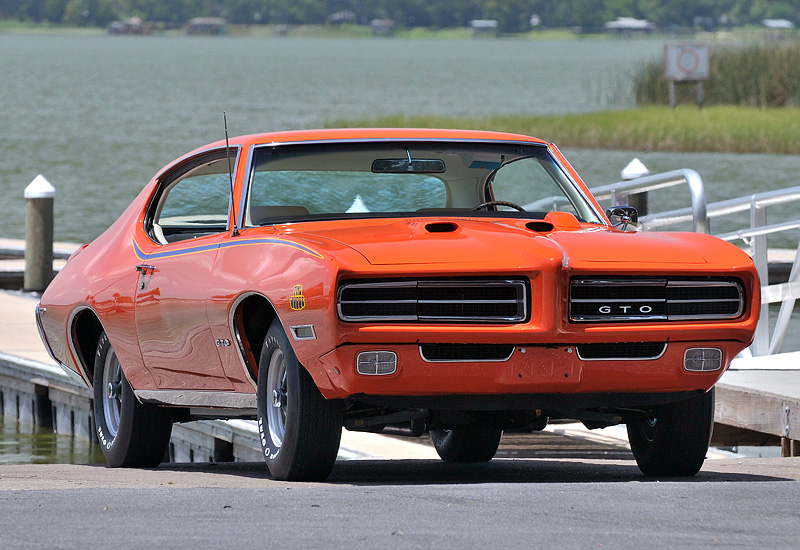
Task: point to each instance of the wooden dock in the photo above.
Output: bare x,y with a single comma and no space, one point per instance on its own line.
758,403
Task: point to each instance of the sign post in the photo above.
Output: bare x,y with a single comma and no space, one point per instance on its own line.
686,62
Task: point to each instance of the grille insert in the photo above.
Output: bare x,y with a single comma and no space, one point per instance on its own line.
434,300
623,351
447,353
654,299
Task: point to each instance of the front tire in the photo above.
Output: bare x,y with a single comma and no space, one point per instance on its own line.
299,429
131,434
466,444
674,440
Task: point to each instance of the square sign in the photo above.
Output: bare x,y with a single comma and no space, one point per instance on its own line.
686,61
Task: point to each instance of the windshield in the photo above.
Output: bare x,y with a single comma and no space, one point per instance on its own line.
345,180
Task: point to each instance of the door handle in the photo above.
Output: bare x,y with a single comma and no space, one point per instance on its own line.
144,269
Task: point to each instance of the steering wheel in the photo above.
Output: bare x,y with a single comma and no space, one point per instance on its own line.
499,203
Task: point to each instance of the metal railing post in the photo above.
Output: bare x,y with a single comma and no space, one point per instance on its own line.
758,244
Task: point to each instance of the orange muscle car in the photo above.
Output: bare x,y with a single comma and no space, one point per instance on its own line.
455,282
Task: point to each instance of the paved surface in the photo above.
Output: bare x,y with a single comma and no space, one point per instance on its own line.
235,475
521,503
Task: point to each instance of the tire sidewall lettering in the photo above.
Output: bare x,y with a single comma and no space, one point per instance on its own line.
101,437
268,448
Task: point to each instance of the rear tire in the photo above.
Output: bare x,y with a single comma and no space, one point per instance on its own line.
299,429
131,434
466,444
675,439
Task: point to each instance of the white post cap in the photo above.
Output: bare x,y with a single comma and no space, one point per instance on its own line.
635,169
40,188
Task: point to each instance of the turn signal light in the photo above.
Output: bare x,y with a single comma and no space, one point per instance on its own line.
372,363
702,359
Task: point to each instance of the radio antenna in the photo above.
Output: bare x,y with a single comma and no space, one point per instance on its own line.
230,170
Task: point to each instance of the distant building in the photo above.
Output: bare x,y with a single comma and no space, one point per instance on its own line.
342,17
382,27
132,25
778,24
205,25
484,26
628,25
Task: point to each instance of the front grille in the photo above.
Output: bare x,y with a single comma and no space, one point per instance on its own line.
624,351
654,299
444,353
434,300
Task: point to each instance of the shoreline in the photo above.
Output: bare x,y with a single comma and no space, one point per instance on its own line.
746,33
712,129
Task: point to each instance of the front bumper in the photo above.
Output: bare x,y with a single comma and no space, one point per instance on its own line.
530,370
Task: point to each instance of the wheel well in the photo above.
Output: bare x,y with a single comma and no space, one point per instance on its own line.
251,322
86,331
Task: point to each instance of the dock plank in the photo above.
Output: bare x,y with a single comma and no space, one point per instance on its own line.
762,401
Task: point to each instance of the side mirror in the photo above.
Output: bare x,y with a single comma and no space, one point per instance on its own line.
625,214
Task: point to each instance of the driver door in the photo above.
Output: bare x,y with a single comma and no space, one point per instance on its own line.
189,218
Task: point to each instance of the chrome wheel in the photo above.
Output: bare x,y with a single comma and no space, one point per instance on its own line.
112,397
299,429
129,432
278,390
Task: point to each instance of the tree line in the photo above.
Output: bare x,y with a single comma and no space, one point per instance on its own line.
512,15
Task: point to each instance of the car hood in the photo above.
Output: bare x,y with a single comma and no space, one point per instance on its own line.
506,243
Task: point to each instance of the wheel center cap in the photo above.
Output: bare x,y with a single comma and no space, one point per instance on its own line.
278,398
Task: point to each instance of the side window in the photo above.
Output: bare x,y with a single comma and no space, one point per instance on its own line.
195,204
527,183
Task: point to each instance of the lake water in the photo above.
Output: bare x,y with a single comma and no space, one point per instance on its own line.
22,443
98,116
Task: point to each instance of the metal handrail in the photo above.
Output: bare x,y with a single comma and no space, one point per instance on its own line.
755,237
618,193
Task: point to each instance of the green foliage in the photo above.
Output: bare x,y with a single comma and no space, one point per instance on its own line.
686,128
759,75
513,15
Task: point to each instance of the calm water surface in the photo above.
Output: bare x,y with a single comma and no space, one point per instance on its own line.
98,116
22,443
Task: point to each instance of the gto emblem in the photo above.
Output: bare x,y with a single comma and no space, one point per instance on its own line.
626,309
223,343
297,301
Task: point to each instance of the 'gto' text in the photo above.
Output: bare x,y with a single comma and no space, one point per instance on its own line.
626,309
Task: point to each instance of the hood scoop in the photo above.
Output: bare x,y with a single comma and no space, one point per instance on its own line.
540,226
441,227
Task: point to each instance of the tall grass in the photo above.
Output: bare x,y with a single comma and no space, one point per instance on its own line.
757,75
653,128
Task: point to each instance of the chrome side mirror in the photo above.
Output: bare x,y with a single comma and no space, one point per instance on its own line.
625,214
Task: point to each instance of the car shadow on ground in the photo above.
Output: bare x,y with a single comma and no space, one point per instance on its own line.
516,471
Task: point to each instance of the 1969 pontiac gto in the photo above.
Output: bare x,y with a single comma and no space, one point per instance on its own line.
457,282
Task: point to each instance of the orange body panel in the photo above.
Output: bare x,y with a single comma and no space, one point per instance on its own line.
174,326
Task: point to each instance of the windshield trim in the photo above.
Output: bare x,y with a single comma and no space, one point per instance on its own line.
251,169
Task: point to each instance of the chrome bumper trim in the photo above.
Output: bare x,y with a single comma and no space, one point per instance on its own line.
198,399
75,376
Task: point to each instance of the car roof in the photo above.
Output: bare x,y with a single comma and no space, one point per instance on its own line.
377,134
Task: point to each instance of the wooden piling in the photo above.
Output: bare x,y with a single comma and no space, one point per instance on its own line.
39,197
